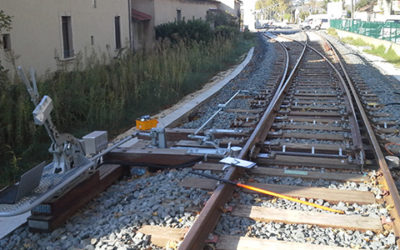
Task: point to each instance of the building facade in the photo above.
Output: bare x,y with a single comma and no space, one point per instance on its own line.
142,24
49,34
248,10
166,11
230,6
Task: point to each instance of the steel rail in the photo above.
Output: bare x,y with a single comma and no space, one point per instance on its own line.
388,179
284,75
355,129
209,215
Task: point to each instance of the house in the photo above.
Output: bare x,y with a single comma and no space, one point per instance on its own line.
248,10
230,6
147,14
142,24
177,10
47,35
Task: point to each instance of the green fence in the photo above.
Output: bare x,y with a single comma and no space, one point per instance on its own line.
389,30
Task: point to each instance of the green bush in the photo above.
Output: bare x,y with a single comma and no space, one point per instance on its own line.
218,24
332,32
191,30
226,31
220,18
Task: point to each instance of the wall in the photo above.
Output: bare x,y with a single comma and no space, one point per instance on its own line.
166,10
36,35
230,6
143,34
248,14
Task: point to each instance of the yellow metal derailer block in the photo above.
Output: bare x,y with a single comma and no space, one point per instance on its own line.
145,123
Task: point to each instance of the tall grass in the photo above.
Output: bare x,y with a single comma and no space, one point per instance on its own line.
389,55
109,96
332,32
355,42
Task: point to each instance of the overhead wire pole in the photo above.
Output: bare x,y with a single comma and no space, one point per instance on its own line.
352,11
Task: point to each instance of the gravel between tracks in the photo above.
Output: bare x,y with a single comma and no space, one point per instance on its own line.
252,79
308,233
386,87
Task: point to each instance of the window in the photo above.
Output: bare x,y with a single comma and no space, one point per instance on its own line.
178,15
117,32
67,36
94,3
6,42
92,40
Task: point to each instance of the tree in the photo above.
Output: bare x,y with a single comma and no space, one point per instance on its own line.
303,15
363,3
273,8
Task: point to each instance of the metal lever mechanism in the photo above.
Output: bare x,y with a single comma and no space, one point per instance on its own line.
67,151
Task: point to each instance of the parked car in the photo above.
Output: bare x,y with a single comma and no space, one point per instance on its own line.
325,23
316,22
311,24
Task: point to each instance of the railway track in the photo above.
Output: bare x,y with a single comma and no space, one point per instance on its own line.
307,129
315,129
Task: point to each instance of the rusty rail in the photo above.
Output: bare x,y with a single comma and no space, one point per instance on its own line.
394,197
355,129
211,212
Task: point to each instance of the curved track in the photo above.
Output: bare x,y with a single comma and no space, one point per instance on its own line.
312,130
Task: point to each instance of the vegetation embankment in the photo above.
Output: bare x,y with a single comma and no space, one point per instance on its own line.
100,96
389,54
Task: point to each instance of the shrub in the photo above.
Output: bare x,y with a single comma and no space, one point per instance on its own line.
332,32
226,31
220,18
389,54
355,42
191,30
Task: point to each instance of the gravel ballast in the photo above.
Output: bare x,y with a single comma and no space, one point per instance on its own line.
251,80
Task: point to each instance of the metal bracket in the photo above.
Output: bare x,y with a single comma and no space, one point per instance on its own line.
207,139
68,152
158,137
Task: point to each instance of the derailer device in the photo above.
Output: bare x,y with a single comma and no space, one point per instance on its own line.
67,151
73,160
